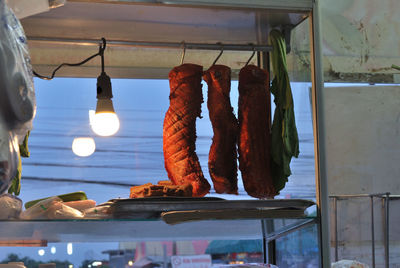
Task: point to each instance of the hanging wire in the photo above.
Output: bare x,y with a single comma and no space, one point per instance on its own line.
183,52
102,47
252,55
219,55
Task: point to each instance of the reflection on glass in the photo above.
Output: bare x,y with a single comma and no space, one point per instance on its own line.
83,146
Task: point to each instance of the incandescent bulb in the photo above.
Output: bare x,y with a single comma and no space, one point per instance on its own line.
104,124
83,146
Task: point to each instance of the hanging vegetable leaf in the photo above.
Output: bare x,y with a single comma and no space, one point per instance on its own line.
285,141
15,187
23,148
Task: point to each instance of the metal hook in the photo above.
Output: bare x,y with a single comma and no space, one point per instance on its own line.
102,47
183,52
220,53
252,55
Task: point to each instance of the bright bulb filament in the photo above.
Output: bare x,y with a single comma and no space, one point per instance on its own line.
104,124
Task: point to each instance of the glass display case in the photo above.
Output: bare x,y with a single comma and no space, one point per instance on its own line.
145,39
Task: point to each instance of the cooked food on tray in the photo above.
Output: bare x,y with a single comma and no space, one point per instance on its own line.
179,130
222,158
163,189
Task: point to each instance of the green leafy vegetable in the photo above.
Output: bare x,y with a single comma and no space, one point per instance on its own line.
285,140
15,187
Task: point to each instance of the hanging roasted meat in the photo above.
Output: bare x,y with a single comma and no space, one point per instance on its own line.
222,159
254,134
179,131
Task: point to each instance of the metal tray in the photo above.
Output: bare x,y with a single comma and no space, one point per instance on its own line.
153,207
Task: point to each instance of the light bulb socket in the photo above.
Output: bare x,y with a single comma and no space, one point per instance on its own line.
104,106
104,90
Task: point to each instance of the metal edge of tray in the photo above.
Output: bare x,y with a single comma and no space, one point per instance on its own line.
175,217
146,205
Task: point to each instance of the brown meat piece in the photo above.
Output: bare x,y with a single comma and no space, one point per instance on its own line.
254,133
179,131
222,159
149,190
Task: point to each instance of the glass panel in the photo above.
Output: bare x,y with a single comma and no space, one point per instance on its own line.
298,249
134,155
126,254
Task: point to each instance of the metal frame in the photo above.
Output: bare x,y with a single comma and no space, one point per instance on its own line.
241,4
385,197
319,135
317,81
152,44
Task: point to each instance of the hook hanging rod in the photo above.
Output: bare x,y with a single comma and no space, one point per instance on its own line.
178,45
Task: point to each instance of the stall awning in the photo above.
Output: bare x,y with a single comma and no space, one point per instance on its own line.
234,246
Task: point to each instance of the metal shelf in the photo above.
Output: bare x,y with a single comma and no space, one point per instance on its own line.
137,230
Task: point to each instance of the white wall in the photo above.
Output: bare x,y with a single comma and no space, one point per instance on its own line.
363,139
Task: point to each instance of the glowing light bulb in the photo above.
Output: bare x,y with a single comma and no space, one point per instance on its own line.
83,146
105,124
41,252
53,250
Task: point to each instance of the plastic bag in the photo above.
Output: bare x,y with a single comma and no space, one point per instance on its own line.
101,211
9,157
349,264
51,208
10,207
17,101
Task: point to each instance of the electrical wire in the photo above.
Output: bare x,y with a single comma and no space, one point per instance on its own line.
102,47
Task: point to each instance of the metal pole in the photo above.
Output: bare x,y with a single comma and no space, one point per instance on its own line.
386,239
271,244
263,62
265,246
291,229
372,231
336,228
151,44
321,180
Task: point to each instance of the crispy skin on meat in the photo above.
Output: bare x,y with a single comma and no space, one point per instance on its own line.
222,159
254,133
150,190
179,131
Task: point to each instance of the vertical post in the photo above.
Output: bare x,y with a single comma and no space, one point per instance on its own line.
386,233
336,228
269,250
372,231
271,244
265,246
319,135
263,62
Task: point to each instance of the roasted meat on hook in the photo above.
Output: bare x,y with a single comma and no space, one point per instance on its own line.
179,131
222,159
254,134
